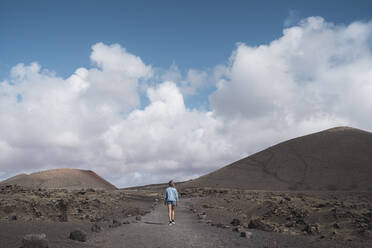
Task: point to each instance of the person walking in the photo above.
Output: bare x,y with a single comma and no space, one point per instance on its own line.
171,201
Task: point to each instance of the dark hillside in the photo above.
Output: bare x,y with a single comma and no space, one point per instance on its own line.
335,159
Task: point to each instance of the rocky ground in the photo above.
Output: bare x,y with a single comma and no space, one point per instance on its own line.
344,216
151,230
109,218
60,205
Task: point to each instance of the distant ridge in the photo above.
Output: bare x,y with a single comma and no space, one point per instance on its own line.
61,179
339,158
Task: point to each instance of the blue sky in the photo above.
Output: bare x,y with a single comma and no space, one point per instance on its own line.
147,91
192,34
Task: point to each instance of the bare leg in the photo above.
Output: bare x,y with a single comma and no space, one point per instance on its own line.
170,212
173,207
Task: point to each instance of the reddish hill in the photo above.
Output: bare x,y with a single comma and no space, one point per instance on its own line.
61,178
335,159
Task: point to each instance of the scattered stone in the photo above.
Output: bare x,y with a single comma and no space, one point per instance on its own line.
96,228
35,241
289,224
337,226
311,229
91,190
258,224
202,216
207,206
238,229
126,222
235,222
246,234
78,236
138,217
115,223
14,217
254,223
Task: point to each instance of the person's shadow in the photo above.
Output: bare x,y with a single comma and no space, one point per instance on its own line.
154,223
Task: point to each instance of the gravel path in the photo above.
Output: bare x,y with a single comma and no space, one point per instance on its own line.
154,231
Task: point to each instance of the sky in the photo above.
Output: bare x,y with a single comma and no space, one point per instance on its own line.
147,91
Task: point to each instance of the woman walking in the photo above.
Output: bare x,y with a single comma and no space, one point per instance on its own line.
171,200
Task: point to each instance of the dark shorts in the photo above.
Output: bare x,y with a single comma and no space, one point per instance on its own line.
171,202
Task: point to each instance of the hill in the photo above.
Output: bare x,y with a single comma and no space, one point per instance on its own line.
335,159
60,179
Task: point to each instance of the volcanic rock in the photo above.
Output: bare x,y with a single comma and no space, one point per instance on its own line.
235,222
202,216
246,234
115,223
312,229
78,236
258,224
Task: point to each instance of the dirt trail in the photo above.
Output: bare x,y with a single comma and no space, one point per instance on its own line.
154,231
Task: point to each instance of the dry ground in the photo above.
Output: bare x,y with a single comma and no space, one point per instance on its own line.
343,216
279,219
61,205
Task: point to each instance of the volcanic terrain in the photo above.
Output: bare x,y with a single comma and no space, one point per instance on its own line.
335,159
311,191
60,179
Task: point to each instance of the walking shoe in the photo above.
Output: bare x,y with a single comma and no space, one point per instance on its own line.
173,222
170,223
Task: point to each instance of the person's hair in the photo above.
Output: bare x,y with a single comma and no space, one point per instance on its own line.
171,184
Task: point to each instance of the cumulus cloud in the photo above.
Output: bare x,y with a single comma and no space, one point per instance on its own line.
190,82
47,121
166,139
317,75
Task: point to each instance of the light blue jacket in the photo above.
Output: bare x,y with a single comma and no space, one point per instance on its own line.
171,194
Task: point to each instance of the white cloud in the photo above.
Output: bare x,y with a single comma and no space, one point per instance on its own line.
57,122
195,80
166,138
317,75
114,58
191,82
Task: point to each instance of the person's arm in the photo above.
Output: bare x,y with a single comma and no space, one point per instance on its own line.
165,197
176,197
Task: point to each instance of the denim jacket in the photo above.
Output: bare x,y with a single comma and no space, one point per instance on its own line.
171,194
